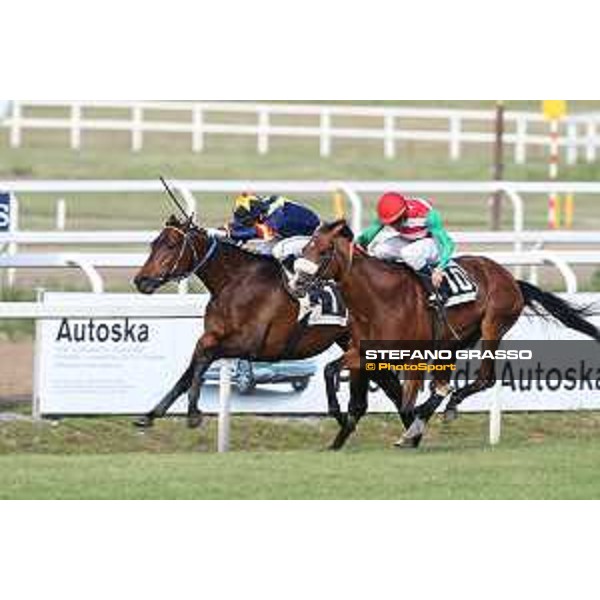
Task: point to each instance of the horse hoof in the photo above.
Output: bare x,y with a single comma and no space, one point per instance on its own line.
195,421
450,415
409,443
144,422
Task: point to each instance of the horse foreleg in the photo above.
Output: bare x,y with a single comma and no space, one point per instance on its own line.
207,351
393,389
332,377
160,410
414,434
195,415
440,390
357,408
204,349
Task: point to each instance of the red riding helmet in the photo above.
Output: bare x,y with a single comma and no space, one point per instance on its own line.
391,208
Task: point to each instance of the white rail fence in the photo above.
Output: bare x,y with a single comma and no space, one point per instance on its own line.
528,247
324,123
352,190
88,263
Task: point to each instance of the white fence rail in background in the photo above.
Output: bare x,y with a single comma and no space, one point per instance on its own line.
89,263
520,240
515,191
324,123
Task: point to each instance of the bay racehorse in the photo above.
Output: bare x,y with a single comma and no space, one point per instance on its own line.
388,302
251,314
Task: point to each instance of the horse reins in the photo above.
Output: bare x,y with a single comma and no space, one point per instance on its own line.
198,263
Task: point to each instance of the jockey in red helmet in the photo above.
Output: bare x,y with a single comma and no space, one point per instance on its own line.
410,230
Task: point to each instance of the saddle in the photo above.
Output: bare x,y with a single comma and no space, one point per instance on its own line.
323,306
458,286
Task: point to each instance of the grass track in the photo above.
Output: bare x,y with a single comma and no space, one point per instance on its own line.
541,456
565,470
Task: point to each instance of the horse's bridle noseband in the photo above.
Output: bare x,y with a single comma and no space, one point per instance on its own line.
198,263
326,260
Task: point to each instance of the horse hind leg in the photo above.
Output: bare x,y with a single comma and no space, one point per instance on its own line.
485,380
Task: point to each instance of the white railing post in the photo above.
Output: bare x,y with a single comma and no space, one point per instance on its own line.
36,412
455,135
591,149
198,130
137,134
15,125
496,415
518,223
355,201
61,214
263,131
89,270
565,269
521,142
75,126
224,407
390,136
325,133
572,140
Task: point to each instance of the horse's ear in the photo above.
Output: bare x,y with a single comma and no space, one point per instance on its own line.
342,229
172,221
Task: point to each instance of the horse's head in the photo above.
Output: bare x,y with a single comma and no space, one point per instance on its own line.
328,255
180,250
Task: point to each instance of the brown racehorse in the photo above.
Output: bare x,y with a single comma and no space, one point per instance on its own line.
387,302
251,315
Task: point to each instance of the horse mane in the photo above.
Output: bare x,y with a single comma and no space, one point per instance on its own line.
263,259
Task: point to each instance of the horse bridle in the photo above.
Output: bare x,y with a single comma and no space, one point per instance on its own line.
318,279
199,263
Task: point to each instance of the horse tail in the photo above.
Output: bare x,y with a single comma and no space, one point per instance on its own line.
568,314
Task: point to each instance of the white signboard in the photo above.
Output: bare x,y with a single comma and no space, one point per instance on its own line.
125,366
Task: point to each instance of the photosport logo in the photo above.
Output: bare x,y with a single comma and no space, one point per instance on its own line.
519,365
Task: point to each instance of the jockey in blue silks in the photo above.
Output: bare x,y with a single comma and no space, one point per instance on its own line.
272,225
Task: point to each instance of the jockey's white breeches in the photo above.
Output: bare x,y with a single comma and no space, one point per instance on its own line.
416,254
293,246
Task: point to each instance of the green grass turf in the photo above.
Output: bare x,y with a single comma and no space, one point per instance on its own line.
541,456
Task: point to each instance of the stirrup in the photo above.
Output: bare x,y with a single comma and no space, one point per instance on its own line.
436,302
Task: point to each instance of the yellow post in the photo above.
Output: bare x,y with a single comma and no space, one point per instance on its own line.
569,211
339,205
554,110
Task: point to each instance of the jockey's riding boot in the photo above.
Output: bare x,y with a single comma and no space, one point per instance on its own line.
288,264
434,299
